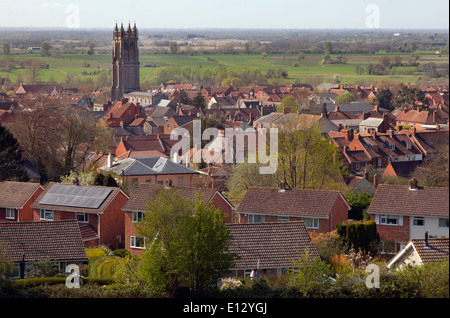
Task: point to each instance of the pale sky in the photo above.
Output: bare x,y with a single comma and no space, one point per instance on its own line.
253,14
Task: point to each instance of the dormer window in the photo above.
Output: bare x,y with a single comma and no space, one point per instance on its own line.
408,146
392,147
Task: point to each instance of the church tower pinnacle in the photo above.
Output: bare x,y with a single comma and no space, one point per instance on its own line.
125,62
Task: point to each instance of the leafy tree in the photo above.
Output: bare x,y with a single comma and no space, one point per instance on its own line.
345,98
309,275
246,175
327,47
407,95
6,48
45,48
434,171
182,98
173,47
385,60
198,101
91,48
359,235
359,202
384,99
187,244
306,159
10,157
289,102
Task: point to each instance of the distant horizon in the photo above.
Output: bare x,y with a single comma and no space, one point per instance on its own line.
233,14
103,28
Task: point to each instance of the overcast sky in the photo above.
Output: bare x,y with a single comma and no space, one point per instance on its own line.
255,14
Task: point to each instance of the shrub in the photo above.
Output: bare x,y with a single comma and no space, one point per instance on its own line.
122,253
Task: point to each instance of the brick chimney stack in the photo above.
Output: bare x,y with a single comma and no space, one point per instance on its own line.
282,186
413,184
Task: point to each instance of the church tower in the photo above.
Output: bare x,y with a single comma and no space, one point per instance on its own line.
125,62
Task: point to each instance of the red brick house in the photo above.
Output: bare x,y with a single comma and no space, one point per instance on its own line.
320,210
403,213
178,122
97,209
16,199
123,113
137,205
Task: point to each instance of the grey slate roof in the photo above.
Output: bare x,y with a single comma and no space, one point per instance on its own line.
148,166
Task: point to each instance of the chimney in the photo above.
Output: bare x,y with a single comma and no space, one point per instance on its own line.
435,118
366,174
375,180
427,244
412,130
286,110
282,186
124,101
336,108
413,184
390,132
75,181
109,161
376,108
347,133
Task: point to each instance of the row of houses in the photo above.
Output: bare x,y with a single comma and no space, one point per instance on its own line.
268,228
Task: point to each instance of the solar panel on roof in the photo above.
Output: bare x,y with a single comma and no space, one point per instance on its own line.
75,196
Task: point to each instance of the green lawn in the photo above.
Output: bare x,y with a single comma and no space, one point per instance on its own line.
299,70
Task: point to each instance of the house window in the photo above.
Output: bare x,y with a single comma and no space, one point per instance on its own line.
443,222
392,146
283,219
148,180
357,166
47,215
389,219
180,181
137,242
256,218
10,214
418,221
137,216
83,217
380,162
311,223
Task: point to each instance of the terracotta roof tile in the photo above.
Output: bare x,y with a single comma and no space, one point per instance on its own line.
399,199
316,203
146,192
57,240
15,194
437,250
274,245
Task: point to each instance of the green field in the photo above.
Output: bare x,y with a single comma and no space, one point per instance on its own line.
302,70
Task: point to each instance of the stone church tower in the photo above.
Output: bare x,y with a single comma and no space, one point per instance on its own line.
125,62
